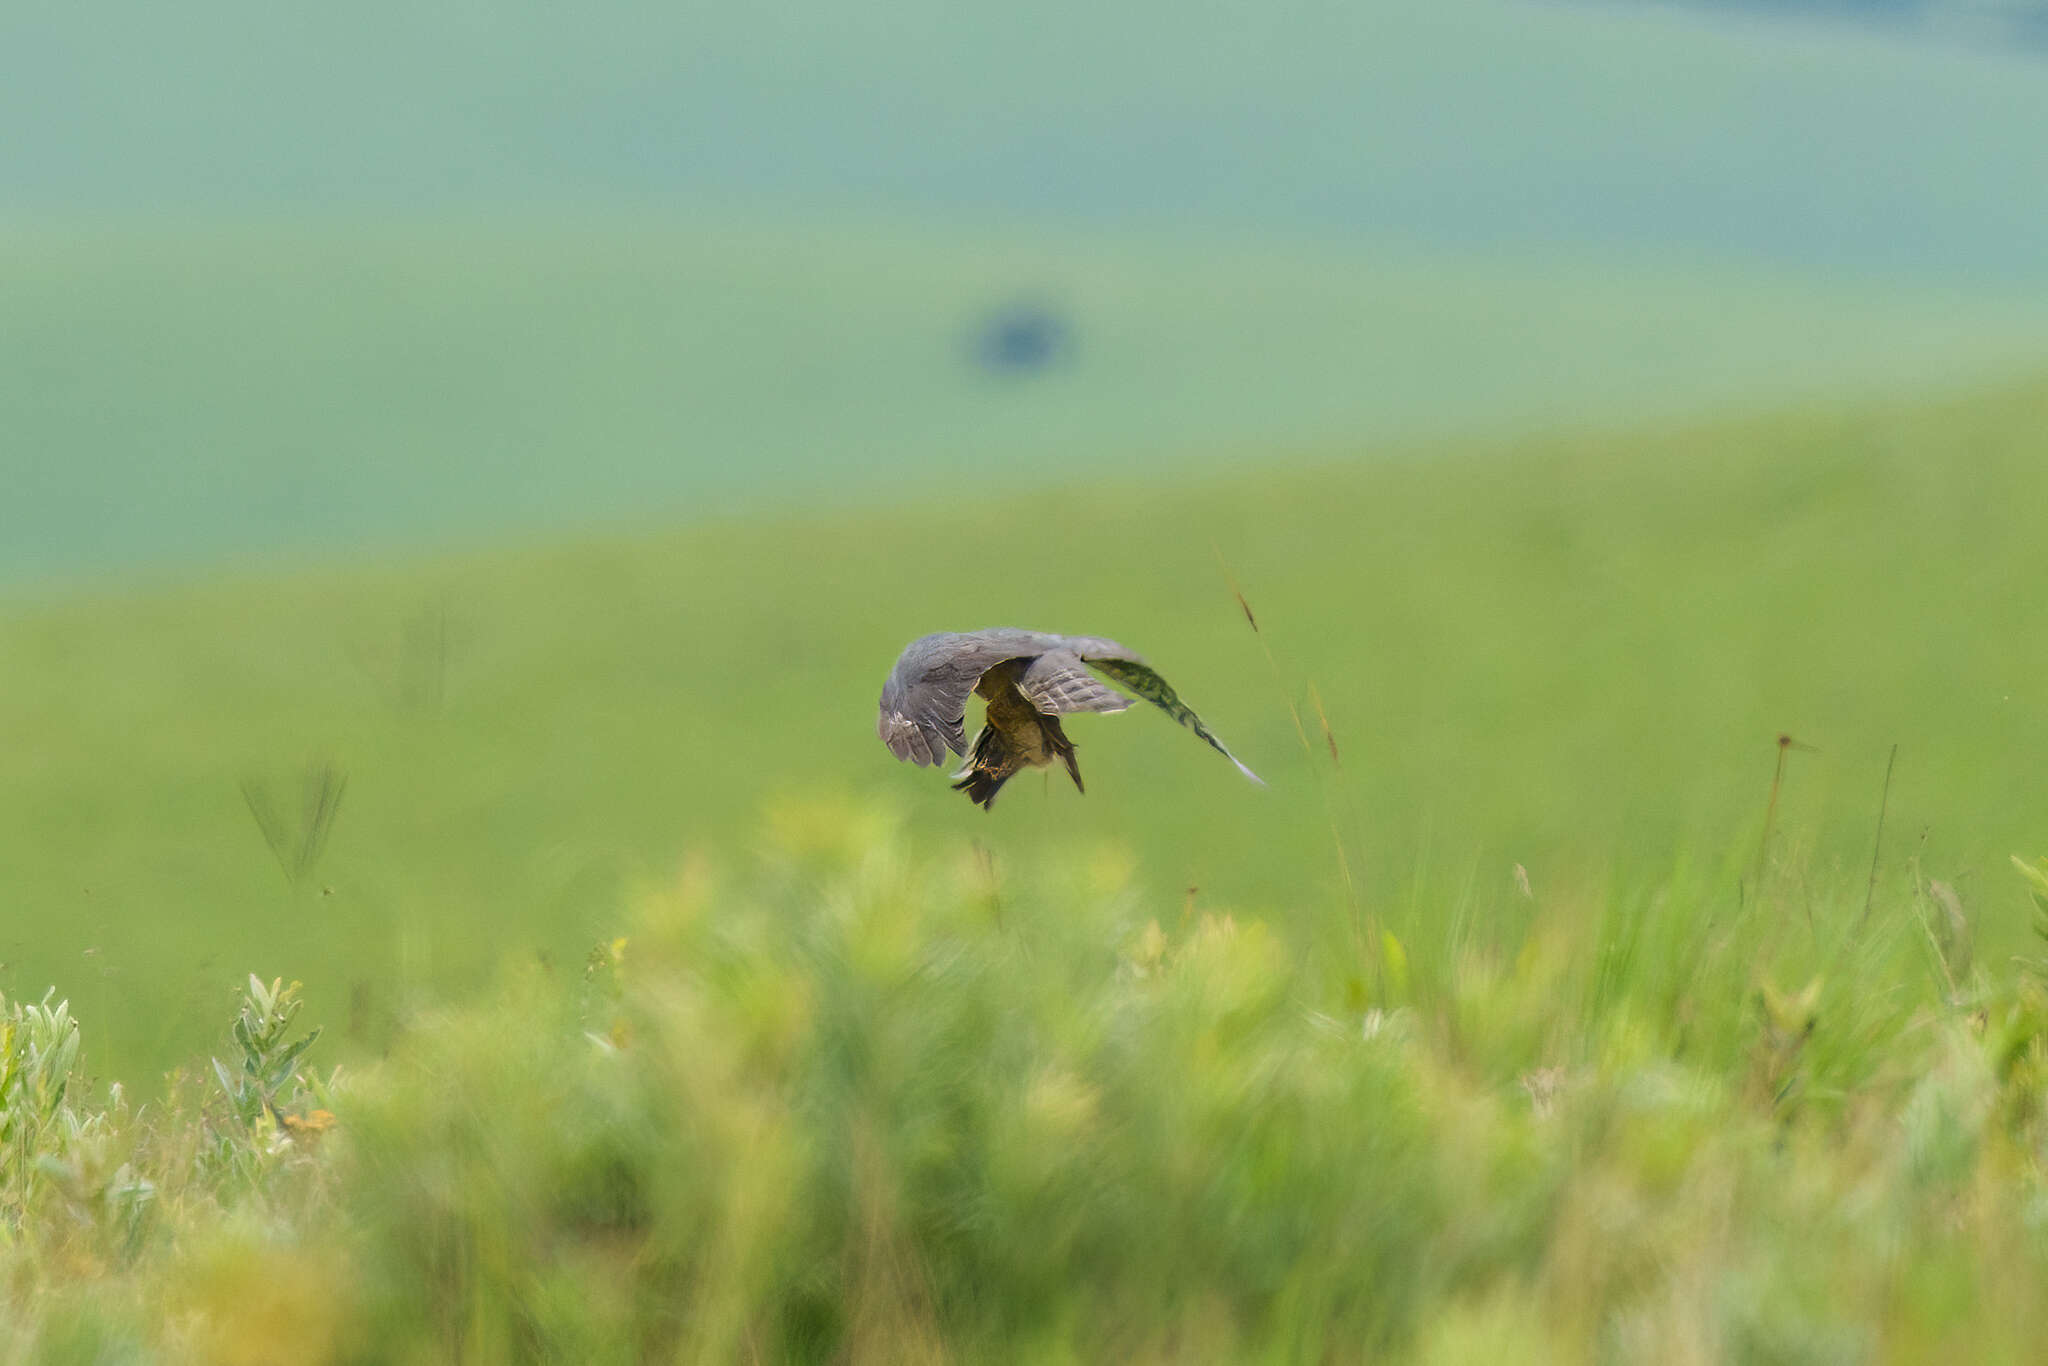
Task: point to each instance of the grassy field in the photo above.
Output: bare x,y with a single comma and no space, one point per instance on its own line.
840,1103
1571,654
1547,1006
676,1022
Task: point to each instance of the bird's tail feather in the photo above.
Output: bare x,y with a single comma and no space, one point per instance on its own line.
981,786
1058,743
989,766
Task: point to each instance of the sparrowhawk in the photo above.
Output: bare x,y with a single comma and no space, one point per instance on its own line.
1029,680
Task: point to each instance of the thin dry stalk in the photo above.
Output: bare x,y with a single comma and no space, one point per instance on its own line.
1883,804
1786,744
1337,818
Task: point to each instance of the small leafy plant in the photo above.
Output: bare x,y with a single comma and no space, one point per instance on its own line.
63,1164
38,1048
270,1099
269,1064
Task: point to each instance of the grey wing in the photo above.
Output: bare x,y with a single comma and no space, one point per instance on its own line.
1058,683
924,701
1133,673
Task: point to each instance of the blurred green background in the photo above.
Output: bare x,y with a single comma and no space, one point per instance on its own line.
466,470
554,422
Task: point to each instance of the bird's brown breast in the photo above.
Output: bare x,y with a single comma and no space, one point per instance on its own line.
1013,717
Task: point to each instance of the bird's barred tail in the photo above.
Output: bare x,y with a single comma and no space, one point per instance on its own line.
1056,740
981,786
988,768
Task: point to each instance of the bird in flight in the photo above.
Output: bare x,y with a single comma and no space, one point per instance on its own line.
1029,680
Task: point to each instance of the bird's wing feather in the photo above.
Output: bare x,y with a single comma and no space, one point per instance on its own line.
1058,683
924,701
1133,673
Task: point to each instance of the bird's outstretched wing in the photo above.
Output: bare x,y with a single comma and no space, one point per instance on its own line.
1133,673
1058,683
924,701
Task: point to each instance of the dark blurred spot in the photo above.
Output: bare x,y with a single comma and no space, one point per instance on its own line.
1021,339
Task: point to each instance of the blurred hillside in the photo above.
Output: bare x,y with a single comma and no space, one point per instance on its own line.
180,398
280,277
1470,122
